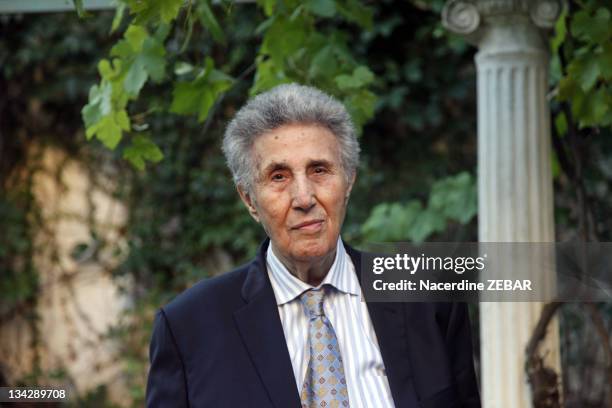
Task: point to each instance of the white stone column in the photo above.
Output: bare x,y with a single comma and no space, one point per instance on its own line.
515,198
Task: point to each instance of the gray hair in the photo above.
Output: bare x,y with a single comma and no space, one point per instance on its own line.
284,105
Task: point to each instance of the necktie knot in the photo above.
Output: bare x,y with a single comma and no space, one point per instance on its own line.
312,300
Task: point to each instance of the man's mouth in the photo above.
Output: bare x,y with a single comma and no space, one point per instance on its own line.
311,225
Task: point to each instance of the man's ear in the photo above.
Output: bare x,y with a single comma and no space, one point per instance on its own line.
248,200
350,187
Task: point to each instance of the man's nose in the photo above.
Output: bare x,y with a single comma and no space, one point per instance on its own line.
303,194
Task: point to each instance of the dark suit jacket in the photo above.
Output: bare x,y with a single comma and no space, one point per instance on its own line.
221,344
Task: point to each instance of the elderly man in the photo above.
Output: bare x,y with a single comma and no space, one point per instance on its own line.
290,329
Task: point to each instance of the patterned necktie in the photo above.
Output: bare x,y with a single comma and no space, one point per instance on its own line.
325,384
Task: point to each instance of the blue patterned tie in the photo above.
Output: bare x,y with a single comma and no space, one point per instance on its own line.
325,384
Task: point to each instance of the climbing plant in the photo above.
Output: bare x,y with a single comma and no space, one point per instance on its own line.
156,82
300,41
375,57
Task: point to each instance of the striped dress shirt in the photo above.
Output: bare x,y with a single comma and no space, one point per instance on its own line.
363,365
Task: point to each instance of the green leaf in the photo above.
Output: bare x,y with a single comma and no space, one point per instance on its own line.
592,28
372,227
109,71
162,32
154,11
567,88
122,120
119,13
578,101
265,25
108,129
80,9
361,105
595,108
355,11
168,9
283,39
427,223
141,150
91,114
267,6
135,78
455,197
122,49
147,62
391,221
580,23
199,95
345,82
131,44
135,36
360,77
585,71
561,124
152,57
604,60
601,26
560,33
267,76
363,75
99,104
323,63
209,21
323,8
188,99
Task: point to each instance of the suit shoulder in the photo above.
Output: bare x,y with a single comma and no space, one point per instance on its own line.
209,294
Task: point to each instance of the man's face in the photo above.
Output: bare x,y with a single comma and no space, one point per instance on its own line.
300,190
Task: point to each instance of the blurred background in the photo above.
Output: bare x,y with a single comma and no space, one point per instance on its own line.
114,195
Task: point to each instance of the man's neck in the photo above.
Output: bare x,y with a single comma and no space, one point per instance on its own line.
311,272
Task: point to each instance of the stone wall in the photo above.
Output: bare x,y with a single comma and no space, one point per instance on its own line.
79,300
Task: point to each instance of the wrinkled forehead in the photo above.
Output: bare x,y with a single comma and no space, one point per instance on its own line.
296,146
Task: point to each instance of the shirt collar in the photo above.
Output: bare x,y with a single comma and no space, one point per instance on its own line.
287,287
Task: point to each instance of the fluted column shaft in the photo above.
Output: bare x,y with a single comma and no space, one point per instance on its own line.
515,197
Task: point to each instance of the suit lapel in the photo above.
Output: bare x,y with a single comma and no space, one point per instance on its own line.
389,324
262,333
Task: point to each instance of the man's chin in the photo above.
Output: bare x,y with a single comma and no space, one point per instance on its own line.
312,250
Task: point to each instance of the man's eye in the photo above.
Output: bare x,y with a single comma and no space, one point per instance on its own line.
320,170
278,177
